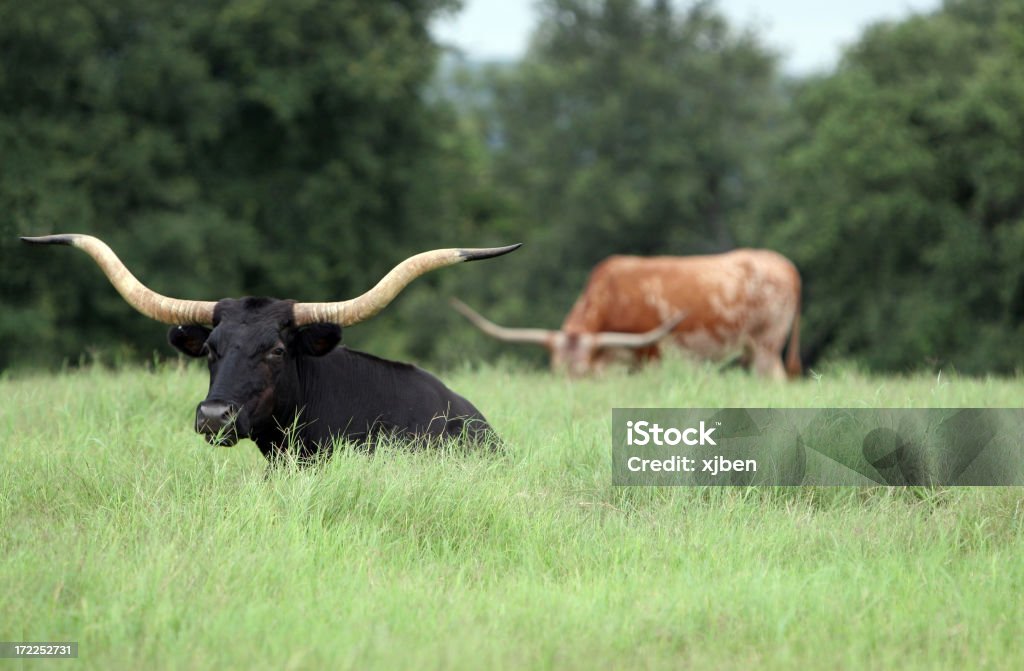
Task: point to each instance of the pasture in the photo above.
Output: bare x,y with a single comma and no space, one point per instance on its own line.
122,529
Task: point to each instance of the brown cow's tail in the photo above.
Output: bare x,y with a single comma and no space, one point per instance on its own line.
793,368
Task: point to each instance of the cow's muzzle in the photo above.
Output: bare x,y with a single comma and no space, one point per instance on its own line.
217,421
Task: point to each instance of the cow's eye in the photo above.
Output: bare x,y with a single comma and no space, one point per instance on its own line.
275,353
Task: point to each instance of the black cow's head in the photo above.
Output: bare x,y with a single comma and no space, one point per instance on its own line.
255,344
253,353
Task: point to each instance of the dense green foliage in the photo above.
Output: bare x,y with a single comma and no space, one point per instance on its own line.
123,530
222,148
901,193
300,149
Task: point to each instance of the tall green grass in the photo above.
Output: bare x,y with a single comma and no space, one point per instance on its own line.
123,530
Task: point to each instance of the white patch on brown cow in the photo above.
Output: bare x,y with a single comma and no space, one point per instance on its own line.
702,342
730,311
653,291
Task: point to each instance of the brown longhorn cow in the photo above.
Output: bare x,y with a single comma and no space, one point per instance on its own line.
742,303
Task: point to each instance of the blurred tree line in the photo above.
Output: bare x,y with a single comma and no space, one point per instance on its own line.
899,192
299,149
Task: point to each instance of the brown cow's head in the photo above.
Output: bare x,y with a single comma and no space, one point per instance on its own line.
573,353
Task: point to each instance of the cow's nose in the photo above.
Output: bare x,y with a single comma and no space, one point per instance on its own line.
212,417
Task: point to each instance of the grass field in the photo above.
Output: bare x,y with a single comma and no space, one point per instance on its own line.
121,529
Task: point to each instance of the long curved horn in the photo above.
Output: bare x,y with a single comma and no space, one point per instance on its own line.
636,340
145,300
530,336
376,299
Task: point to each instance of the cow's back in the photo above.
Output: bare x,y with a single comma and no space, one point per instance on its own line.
359,396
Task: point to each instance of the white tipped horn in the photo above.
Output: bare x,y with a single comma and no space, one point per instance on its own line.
528,336
637,340
376,299
139,296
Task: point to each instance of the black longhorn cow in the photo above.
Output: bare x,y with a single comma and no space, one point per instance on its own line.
277,375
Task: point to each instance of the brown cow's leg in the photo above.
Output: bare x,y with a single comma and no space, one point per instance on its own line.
746,357
768,364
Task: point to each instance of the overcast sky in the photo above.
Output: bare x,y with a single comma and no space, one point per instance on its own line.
809,33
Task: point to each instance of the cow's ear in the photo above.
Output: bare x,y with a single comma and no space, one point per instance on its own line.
189,338
318,339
